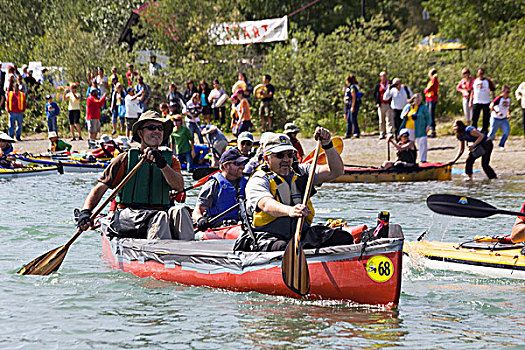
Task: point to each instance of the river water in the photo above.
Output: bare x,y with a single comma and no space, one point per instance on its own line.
88,305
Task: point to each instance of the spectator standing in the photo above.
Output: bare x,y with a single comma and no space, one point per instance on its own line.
192,117
386,121
431,97
174,97
249,88
265,109
154,67
93,106
131,74
16,106
133,110
52,112
352,101
243,120
218,109
115,78
182,143
398,94
480,99
31,82
10,78
144,91
520,96
465,87
190,90
416,120
73,109
204,92
21,84
500,117
118,108
102,81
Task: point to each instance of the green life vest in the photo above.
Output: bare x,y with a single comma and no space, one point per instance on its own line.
147,187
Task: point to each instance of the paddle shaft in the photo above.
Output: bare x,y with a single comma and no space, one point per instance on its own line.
199,183
219,216
109,199
388,150
490,211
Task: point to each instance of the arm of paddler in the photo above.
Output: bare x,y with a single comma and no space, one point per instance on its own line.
90,203
334,164
518,231
273,208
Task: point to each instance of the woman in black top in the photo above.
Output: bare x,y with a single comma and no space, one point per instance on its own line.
190,90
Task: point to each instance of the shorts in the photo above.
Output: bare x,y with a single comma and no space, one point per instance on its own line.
93,125
74,116
265,109
130,122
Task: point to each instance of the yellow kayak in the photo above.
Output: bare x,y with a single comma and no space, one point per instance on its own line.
483,256
27,171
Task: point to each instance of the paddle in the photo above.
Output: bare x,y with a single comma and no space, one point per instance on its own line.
219,216
338,145
199,183
449,204
51,261
361,166
199,173
294,266
388,150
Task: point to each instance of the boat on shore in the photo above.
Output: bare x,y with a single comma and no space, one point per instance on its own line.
28,170
484,256
69,164
423,172
360,273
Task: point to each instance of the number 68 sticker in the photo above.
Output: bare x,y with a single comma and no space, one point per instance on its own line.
380,268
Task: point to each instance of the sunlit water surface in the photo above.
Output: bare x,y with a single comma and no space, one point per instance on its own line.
89,305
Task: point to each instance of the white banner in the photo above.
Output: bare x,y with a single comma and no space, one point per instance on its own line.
250,32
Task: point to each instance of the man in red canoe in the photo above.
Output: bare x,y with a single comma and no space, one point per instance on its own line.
142,210
274,196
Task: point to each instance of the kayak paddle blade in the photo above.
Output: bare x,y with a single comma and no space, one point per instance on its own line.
295,269
449,204
45,264
199,173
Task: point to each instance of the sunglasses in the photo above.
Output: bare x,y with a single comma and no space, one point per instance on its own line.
281,155
154,127
246,143
236,163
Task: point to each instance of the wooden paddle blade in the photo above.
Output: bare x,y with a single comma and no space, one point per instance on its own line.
449,204
46,263
295,269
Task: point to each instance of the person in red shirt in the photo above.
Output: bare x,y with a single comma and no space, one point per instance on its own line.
518,231
431,98
131,74
465,87
15,105
93,106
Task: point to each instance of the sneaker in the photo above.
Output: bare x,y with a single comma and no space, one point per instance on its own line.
19,139
501,148
80,138
113,133
74,139
382,137
356,136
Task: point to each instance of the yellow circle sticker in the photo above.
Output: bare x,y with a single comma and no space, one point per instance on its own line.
380,268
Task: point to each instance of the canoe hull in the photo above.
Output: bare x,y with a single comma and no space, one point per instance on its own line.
449,256
340,276
27,171
68,165
436,172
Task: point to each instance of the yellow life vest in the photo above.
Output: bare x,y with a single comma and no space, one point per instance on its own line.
284,193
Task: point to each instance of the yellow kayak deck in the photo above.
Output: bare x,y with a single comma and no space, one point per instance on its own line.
487,258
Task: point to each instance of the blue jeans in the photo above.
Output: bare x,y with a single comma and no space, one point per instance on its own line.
352,126
195,129
52,123
431,106
495,124
186,158
17,118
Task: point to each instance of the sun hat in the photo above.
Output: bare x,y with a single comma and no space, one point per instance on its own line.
245,136
290,128
152,115
237,93
276,143
396,81
6,138
52,134
232,155
404,131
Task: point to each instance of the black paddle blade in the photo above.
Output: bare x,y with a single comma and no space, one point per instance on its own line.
449,204
295,269
199,173
46,263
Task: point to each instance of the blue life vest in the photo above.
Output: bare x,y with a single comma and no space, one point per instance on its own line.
469,138
227,197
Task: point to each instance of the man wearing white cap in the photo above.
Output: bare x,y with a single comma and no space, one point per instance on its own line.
399,94
245,144
274,195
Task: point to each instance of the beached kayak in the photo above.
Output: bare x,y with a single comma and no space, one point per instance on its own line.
368,274
424,172
489,258
68,163
28,170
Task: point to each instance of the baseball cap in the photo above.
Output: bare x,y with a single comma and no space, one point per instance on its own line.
278,143
232,155
290,128
47,97
245,136
396,81
130,89
404,131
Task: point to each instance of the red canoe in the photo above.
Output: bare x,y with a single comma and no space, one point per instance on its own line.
368,274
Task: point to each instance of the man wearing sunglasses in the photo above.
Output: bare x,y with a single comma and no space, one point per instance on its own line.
142,210
274,195
245,144
222,191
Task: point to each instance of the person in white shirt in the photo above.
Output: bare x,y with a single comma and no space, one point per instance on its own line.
480,99
500,108
400,94
133,110
520,96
